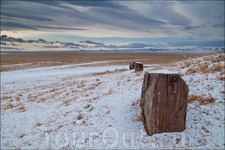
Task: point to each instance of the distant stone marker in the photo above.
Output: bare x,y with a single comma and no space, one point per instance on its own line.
164,102
131,66
138,66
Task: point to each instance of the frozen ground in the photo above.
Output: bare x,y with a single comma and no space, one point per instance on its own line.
98,107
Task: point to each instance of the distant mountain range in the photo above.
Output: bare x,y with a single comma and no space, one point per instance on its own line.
193,50
18,45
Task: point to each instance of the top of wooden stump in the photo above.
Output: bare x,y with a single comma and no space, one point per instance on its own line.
163,72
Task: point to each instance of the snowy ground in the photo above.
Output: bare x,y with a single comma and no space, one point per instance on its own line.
98,107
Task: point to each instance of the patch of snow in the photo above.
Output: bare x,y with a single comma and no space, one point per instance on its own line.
163,71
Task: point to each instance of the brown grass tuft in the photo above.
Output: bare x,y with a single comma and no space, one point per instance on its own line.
138,73
186,64
88,105
8,106
38,124
79,117
21,109
217,67
17,98
120,70
204,68
202,100
191,71
21,136
218,59
222,78
95,98
109,72
81,84
6,97
66,102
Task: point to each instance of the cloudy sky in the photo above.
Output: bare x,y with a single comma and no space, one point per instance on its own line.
117,24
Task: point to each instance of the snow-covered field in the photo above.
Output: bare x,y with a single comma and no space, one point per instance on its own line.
98,107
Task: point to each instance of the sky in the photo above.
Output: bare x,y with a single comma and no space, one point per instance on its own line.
116,24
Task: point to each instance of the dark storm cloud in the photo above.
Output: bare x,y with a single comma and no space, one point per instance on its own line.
40,41
92,42
31,41
219,16
19,40
59,28
38,15
60,15
126,19
193,27
221,25
214,43
166,11
67,44
52,47
15,25
168,18
3,43
11,39
10,48
104,4
47,14
26,16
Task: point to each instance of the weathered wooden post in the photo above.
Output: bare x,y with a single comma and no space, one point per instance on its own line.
138,66
164,102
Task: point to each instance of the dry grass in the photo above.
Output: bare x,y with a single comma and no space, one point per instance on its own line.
88,105
18,107
109,92
21,108
201,99
6,97
185,64
140,73
102,73
36,60
217,67
8,105
214,59
79,117
21,136
109,72
206,66
222,78
218,59
81,84
53,90
205,69
191,71
66,102
38,124
95,98
17,98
